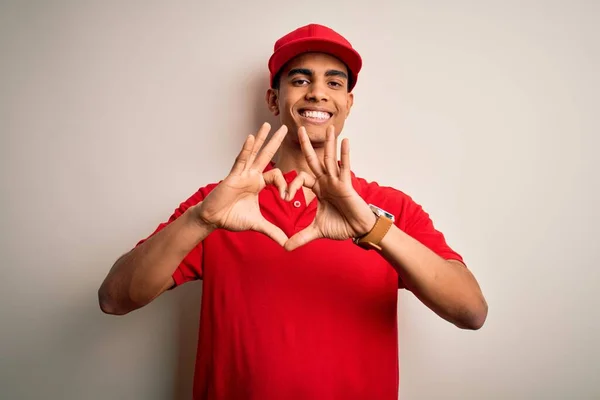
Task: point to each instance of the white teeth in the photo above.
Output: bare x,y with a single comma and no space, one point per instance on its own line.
316,114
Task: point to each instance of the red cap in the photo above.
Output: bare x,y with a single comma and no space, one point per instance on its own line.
315,38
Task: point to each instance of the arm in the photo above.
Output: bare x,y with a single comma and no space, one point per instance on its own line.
445,286
145,272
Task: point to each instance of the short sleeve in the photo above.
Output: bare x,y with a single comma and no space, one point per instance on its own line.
414,221
190,268
419,225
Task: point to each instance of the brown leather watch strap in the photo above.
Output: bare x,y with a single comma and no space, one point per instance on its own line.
373,238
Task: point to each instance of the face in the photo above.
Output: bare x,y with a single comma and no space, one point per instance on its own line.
313,92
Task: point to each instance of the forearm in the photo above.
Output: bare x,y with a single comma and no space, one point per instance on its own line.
446,287
144,273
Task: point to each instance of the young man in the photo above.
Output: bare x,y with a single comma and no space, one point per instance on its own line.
301,259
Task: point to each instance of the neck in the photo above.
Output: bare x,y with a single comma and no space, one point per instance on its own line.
290,157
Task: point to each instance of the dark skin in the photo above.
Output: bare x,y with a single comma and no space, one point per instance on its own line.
317,81
322,84
312,103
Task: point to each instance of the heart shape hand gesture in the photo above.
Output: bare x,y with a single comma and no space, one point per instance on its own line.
341,212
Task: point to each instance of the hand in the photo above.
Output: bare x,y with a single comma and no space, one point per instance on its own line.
233,204
341,212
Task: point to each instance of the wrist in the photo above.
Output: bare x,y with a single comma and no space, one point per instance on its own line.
196,218
366,222
374,237
394,235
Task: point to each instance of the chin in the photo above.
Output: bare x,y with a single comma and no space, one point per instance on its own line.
316,130
317,141
316,134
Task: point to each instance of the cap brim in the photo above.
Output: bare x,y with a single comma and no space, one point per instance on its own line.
346,54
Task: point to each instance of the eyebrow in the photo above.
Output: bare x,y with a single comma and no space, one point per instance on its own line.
335,72
309,72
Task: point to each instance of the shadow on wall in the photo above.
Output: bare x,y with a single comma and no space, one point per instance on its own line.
255,99
189,300
188,312
257,91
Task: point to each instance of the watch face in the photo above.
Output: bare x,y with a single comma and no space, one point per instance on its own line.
381,212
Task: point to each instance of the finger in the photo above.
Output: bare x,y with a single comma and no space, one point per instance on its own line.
242,159
302,238
345,168
275,177
258,142
309,153
302,179
330,158
268,152
272,231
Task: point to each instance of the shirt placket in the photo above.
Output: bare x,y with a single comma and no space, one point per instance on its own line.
302,214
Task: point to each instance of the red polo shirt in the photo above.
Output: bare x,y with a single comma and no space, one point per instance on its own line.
315,323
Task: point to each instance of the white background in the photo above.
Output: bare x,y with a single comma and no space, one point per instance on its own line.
112,113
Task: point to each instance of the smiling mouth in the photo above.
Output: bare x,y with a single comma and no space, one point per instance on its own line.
315,116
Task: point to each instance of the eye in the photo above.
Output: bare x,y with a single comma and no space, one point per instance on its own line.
335,84
300,82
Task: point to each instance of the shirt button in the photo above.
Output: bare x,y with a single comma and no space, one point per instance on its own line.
297,204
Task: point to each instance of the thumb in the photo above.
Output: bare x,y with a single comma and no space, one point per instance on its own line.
303,237
272,231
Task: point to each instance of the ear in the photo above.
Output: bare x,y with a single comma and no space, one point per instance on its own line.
349,103
272,99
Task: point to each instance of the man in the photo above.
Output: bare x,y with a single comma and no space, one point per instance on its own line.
301,259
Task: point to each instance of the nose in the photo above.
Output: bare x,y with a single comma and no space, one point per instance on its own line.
317,91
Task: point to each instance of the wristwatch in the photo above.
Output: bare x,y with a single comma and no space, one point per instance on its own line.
371,239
